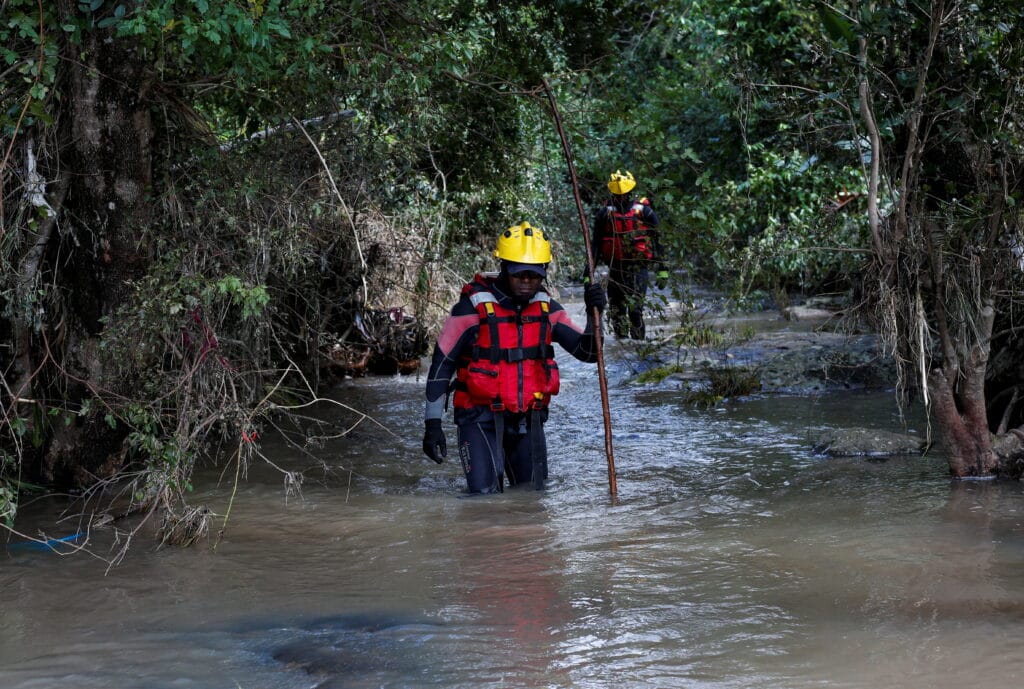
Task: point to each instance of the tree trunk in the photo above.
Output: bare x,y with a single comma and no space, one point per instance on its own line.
968,443
105,160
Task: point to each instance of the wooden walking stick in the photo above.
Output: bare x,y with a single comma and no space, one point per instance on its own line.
595,313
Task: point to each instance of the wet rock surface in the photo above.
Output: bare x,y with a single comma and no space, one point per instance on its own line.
816,361
355,650
867,442
801,350
787,359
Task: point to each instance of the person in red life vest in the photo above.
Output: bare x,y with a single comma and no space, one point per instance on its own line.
625,239
497,345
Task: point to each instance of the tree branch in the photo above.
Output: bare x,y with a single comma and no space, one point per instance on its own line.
868,115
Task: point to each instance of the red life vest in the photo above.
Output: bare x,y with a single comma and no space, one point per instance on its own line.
625,239
511,365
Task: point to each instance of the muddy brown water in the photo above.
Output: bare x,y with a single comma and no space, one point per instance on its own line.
733,558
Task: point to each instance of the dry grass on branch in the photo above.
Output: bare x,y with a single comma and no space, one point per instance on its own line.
185,527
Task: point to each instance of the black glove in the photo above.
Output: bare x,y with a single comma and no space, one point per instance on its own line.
434,444
661,279
594,296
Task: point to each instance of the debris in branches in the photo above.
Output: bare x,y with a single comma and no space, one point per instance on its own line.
186,527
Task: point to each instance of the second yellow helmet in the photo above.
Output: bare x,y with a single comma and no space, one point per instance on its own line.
523,243
620,183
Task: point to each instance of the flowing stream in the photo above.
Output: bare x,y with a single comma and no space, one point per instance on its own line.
733,557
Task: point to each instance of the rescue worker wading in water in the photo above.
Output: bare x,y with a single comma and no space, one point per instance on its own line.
625,240
497,345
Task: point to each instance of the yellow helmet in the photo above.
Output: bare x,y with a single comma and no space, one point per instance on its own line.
620,183
523,244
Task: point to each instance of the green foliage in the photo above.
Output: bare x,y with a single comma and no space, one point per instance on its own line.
29,52
168,459
8,491
692,333
8,504
659,373
701,107
251,299
256,46
782,223
722,383
733,381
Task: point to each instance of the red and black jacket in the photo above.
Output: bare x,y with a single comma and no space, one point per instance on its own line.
500,351
623,233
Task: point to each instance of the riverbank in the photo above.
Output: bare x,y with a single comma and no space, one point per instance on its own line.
809,347
808,356
703,354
